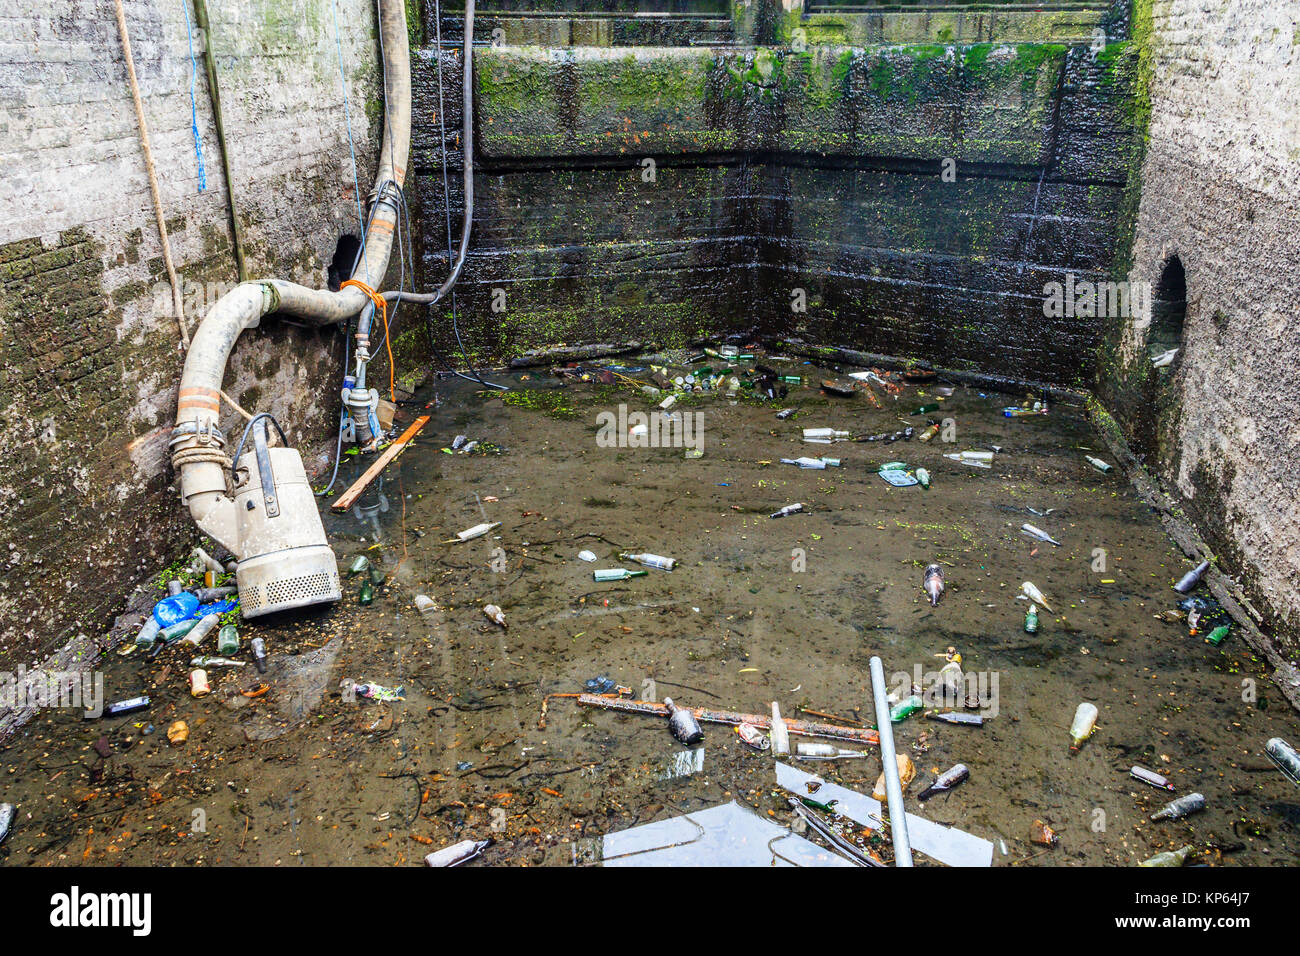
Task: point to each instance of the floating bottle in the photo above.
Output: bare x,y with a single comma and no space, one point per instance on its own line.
906,708
1285,758
1182,807
469,534
1151,777
367,593
955,717
257,647
1097,463
1084,723
930,431
616,574
924,409
1170,857
458,853
826,752
1031,620
176,631
785,413
831,433
932,582
683,724
128,706
649,560
206,661
945,781
923,478
148,632
228,640
780,733
1034,595
1192,578
787,510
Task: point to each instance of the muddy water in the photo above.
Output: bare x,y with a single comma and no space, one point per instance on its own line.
757,610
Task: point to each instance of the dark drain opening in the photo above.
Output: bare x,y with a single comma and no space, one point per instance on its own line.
345,257
1168,310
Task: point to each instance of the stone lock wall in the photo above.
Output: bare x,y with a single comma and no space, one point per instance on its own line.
1220,194
89,358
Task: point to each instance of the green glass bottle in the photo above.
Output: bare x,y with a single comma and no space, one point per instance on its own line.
1031,620
926,409
367,592
1170,857
360,564
174,633
228,640
905,708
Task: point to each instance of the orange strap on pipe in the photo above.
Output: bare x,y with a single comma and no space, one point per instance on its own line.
382,306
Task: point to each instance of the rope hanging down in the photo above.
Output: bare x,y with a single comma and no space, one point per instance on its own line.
381,305
177,299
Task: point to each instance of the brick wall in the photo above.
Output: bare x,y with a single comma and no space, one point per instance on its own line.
1221,193
88,345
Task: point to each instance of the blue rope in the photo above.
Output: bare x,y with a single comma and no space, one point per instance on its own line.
194,110
347,114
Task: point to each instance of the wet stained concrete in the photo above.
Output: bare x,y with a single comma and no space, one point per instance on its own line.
303,776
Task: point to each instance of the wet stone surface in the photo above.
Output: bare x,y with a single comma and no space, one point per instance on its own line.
756,610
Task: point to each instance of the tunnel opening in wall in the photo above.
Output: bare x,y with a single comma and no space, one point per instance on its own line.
1168,313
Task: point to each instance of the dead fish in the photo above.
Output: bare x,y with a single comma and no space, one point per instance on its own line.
1040,534
933,583
1035,595
945,781
6,819
495,615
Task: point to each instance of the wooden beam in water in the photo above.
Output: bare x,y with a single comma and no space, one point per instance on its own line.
802,728
349,497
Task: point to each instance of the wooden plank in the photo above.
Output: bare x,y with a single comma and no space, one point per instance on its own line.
349,497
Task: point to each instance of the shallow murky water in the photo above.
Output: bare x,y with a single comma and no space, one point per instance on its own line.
757,610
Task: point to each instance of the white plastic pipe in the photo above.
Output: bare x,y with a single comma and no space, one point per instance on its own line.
893,785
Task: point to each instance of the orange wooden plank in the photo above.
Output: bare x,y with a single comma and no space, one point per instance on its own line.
349,497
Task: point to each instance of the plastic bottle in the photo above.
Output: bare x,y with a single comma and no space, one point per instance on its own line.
824,433
1182,807
805,462
787,510
1170,857
649,560
1085,721
1217,636
202,629
780,733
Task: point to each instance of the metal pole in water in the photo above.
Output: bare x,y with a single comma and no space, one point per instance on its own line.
893,786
